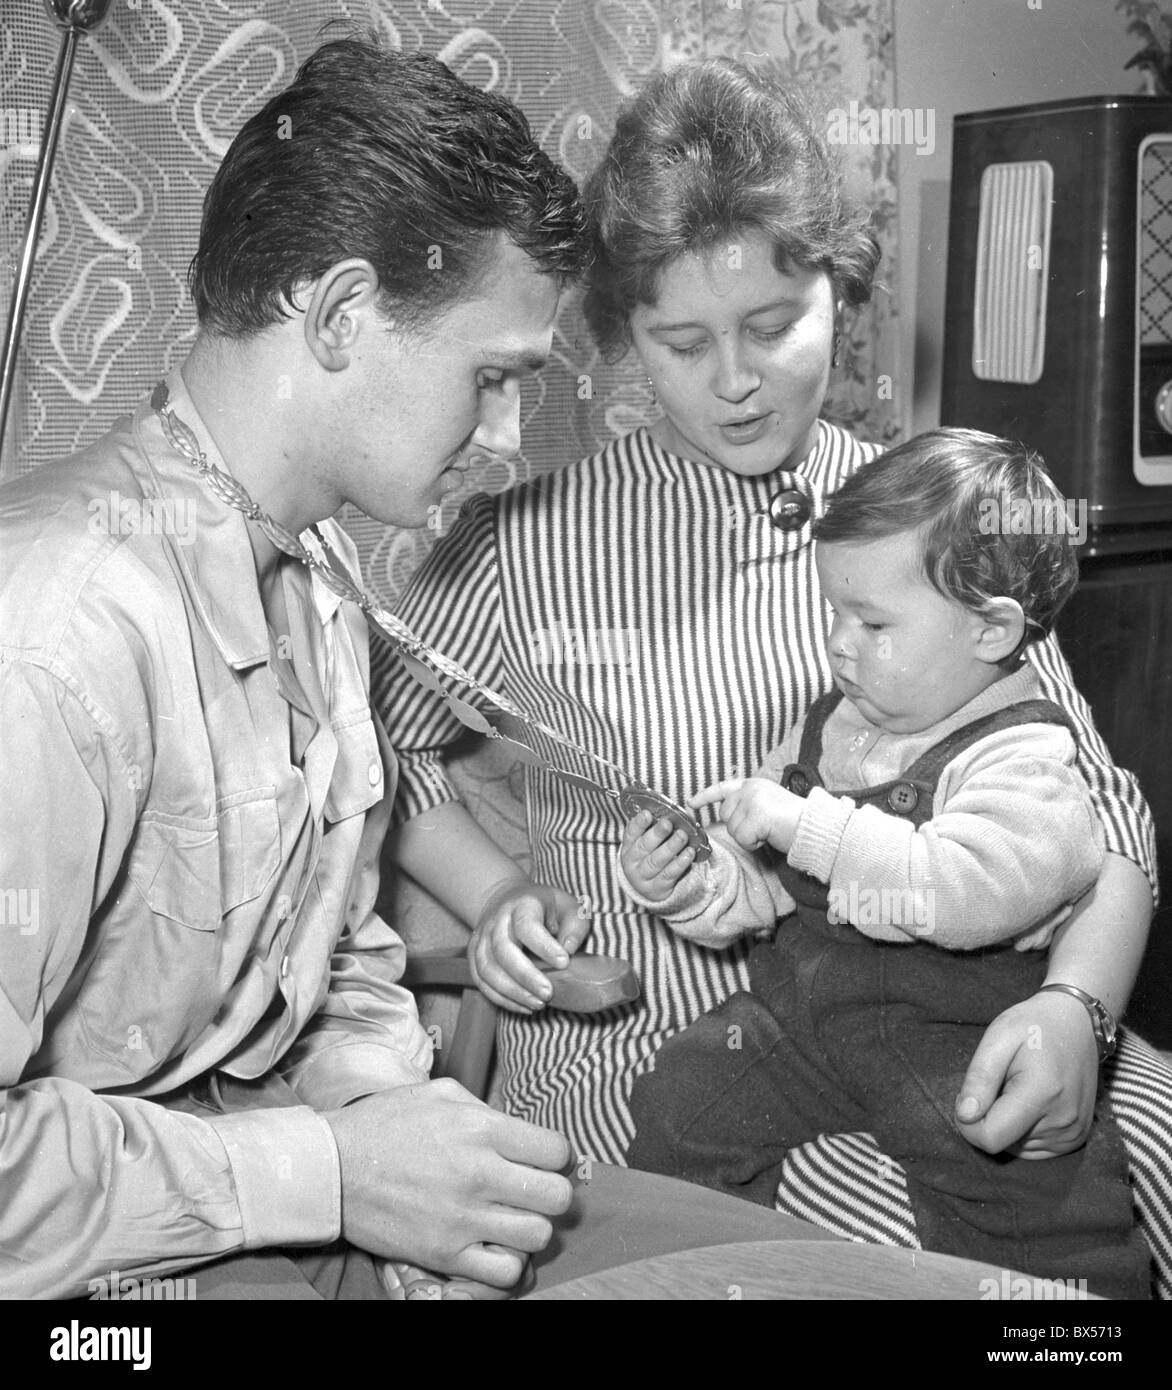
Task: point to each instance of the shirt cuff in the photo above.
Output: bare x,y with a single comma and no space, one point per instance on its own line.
819,834
423,785
287,1175
689,892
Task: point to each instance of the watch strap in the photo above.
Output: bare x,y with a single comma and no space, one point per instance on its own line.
1102,1020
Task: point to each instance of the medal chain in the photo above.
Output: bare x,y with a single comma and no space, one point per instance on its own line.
333,573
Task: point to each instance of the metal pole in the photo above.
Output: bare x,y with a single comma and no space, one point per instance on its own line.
76,18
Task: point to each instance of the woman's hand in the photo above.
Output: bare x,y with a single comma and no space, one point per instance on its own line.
1030,1088
755,811
518,917
654,856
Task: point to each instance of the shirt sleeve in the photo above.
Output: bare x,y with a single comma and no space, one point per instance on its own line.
453,604
1121,807
96,1182
1014,841
732,894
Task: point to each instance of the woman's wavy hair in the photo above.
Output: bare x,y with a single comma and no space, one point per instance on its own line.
705,153
992,524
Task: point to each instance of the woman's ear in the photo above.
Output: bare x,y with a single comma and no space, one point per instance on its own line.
1000,630
339,300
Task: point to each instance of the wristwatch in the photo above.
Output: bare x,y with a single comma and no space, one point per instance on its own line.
1102,1021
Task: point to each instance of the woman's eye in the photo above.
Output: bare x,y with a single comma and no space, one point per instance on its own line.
770,334
691,350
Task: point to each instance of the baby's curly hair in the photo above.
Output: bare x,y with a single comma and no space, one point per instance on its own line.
968,494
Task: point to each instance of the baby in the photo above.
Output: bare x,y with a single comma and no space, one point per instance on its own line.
922,832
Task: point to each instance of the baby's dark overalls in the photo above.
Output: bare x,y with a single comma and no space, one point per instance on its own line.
842,1033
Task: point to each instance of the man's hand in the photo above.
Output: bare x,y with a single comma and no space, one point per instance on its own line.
523,916
755,811
432,1176
654,856
1030,1088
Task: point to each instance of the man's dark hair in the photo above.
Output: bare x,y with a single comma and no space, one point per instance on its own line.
381,155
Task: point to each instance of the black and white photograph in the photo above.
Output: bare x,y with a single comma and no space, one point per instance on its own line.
586,666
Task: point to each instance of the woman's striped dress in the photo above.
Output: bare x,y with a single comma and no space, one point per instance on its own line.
646,607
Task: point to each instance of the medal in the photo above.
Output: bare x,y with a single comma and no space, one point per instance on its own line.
434,671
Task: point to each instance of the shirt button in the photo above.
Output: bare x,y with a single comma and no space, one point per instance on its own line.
903,798
284,967
376,773
797,782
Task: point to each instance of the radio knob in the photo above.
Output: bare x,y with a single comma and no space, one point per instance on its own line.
1164,407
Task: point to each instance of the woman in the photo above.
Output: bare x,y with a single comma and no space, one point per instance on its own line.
726,257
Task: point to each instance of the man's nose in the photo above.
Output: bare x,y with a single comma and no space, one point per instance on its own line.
499,430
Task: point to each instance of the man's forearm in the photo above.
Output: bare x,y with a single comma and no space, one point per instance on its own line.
1100,948
446,852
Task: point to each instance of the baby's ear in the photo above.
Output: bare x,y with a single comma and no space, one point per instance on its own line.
1000,630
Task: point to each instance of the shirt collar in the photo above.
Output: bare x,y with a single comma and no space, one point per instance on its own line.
218,563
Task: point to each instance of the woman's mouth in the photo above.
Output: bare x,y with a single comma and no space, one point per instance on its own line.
746,431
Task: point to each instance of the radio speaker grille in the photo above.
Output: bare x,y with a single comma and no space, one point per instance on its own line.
1013,270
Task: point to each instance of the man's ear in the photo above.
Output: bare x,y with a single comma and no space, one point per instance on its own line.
336,309
1000,630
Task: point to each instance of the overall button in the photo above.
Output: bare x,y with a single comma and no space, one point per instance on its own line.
789,510
375,772
903,799
284,967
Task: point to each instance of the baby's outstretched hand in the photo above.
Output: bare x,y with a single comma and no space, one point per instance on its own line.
755,811
654,856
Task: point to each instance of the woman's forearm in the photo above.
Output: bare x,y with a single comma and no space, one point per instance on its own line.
446,852
1100,947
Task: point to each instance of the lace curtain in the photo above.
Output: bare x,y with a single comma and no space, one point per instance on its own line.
159,91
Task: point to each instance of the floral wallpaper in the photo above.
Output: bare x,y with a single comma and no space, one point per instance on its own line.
159,91
157,95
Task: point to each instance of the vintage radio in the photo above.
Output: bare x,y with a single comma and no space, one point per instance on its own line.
1058,320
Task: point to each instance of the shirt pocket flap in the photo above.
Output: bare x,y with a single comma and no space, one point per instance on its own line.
196,872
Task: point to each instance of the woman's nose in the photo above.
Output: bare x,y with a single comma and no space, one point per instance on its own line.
736,377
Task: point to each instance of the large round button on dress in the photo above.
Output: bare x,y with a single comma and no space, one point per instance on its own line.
789,510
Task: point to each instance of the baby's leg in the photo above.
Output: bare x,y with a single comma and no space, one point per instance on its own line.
1067,1218
729,1096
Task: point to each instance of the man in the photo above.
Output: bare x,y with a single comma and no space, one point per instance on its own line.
203,1048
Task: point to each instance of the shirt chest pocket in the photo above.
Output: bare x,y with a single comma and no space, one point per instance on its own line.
196,872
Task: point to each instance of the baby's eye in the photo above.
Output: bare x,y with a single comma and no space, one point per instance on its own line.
874,627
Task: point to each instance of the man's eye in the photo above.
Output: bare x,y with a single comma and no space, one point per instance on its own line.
490,381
